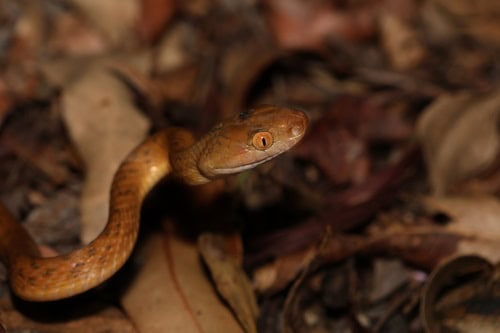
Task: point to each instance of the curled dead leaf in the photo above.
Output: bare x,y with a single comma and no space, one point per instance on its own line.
459,136
462,295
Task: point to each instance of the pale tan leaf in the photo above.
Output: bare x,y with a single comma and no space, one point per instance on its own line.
172,293
115,18
105,125
223,256
401,42
459,137
477,19
475,219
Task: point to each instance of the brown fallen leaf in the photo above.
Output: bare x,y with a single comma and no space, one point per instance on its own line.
299,24
476,218
172,293
155,15
107,319
72,35
466,226
223,256
459,137
275,276
105,125
115,18
478,19
402,44
462,295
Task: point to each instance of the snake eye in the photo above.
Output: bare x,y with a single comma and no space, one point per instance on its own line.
262,140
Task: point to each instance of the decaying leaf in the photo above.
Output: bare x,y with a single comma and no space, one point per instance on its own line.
477,220
462,295
401,42
172,293
464,226
299,24
460,138
105,125
107,319
223,256
115,18
155,14
277,275
478,19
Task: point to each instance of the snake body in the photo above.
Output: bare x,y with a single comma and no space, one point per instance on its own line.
234,145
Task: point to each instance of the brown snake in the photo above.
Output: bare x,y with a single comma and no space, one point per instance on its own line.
237,144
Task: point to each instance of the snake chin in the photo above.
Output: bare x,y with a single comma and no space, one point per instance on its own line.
240,168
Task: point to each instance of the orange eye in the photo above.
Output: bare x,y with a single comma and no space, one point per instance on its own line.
262,140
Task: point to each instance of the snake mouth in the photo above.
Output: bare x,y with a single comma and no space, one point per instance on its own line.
243,167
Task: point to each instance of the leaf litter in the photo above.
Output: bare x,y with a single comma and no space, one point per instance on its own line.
401,160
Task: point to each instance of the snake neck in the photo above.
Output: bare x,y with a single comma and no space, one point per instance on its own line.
185,156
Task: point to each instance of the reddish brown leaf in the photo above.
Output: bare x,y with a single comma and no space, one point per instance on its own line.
154,17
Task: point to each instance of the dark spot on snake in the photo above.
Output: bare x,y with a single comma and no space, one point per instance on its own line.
79,264
91,251
244,114
124,192
34,265
48,272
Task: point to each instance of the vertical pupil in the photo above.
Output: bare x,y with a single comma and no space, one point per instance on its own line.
264,141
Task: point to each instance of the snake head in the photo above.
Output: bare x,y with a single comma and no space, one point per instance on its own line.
250,139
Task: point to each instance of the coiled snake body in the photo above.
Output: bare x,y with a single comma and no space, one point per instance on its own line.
235,145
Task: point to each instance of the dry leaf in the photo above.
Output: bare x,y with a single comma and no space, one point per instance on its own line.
478,19
223,256
172,52
115,18
105,125
172,293
155,15
468,226
459,136
106,319
462,296
307,24
73,36
401,42
477,219
278,274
